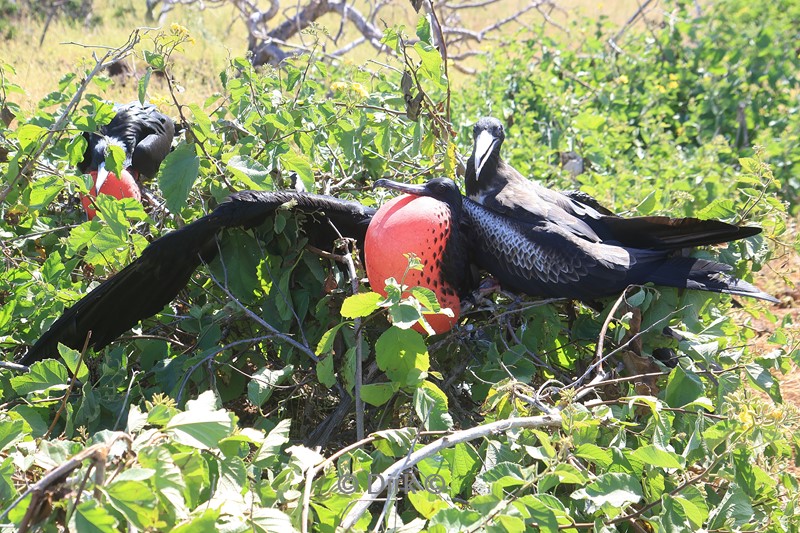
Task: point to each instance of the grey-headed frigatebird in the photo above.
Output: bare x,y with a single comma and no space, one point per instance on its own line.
144,134
495,184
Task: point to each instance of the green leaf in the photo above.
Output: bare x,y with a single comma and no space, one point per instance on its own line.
360,305
204,523
720,208
43,375
135,501
155,60
402,354
91,517
250,172
424,29
271,447
325,371
11,432
199,428
43,191
611,492
656,457
430,404
144,83
589,121
72,358
115,159
263,382
178,174
377,394
464,466
268,520
299,163
683,388
763,379
325,344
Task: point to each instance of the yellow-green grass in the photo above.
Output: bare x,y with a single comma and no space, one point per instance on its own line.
219,35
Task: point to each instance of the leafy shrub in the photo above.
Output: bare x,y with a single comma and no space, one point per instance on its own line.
200,416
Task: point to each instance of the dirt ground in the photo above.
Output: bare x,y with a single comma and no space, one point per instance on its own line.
782,279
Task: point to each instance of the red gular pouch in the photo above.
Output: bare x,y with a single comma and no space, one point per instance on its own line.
419,225
124,187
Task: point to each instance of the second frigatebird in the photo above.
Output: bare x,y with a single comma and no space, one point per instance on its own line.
144,134
495,184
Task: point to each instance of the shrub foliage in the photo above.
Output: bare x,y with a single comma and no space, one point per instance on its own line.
206,417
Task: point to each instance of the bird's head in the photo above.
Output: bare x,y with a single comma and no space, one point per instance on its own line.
488,136
442,189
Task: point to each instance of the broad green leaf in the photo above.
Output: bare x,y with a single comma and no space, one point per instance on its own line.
144,83
377,393
115,159
263,382
250,172
402,354
267,520
299,163
360,305
426,503
271,448
325,371
683,387
589,121
43,375
430,404
764,380
11,432
611,492
200,429
206,522
325,344
178,174
91,517
650,455
135,501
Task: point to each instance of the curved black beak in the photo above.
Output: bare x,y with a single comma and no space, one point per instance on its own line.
418,190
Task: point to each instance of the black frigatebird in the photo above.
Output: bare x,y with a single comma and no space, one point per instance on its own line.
144,134
145,286
539,257
495,184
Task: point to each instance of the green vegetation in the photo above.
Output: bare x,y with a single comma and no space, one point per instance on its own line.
197,419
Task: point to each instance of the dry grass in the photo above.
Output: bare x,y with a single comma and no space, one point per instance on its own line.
220,35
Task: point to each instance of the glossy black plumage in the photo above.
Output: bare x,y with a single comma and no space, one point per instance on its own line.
143,132
495,184
542,258
145,286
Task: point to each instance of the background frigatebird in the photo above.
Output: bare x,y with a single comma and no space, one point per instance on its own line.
144,134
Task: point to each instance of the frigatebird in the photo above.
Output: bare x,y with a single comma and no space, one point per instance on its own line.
495,184
539,257
144,134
